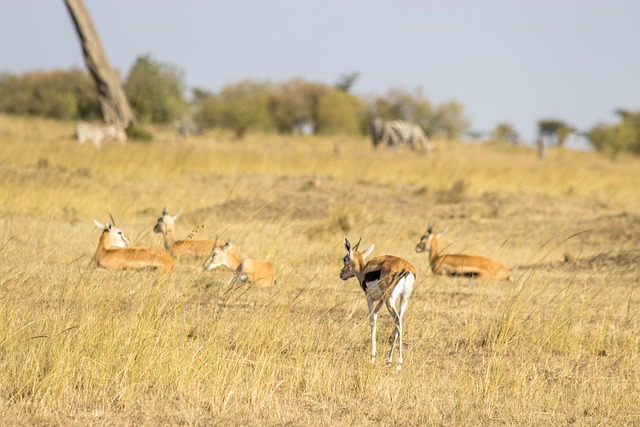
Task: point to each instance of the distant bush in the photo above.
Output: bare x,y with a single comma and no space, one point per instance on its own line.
338,112
616,138
156,94
56,94
240,107
505,132
293,104
155,91
447,119
136,132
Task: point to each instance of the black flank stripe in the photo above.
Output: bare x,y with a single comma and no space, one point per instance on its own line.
370,277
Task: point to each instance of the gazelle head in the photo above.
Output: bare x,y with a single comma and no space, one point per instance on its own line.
353,260
218,255
425,240
165,222
117,239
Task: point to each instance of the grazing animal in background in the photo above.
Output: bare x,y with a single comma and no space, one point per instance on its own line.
255,271
165,225
115,253
97,133
460,264
398,132
185,127
386,279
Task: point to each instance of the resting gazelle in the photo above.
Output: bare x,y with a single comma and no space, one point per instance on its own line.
165,225
255,271
115,253
386,279
460,264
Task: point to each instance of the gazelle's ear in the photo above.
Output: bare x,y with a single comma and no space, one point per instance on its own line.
368,251
347,245
99,224
177,215
440,233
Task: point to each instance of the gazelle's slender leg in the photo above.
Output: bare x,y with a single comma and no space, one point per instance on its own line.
402,309
373,321
397,329
400,293
408,288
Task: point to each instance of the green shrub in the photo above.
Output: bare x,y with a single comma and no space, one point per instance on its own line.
337,113
155,91
239,107
136,132
56,94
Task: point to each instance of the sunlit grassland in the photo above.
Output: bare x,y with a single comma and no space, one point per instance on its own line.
80,345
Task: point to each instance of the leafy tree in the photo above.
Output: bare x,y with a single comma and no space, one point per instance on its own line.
239,107
399,104
551,131
55,94
346,81
505,132
623,136
155,91
337,113
554,130
449,120
293,104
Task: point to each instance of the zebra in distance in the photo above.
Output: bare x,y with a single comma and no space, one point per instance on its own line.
398,132
97,133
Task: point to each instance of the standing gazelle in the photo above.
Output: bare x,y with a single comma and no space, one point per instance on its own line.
255,271
387,279
114,252
460,264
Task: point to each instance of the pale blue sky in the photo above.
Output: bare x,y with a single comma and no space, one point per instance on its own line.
505,60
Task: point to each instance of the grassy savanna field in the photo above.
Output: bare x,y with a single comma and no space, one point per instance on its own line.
80,345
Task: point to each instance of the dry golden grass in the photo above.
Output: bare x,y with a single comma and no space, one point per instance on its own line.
84,346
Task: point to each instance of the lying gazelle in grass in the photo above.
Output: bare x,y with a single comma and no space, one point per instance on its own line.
386,279
255,271
189,247
115,253
460,264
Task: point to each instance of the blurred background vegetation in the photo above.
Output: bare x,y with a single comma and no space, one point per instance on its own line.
158,95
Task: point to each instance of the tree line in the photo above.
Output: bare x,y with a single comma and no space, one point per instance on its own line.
157,94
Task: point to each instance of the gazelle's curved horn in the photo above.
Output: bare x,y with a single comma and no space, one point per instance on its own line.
355,248
164,211
113,221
